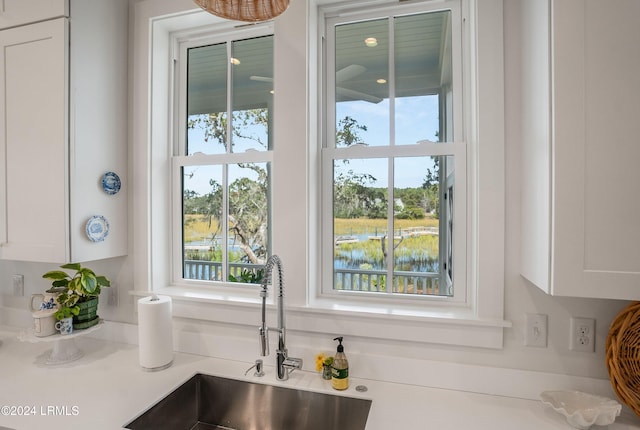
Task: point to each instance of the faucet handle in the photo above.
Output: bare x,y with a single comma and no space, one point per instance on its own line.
263,335
292,363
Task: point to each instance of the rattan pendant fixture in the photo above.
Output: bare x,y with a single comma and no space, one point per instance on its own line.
244,10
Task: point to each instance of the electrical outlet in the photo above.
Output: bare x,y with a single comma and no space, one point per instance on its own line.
582,334
536,330
18,285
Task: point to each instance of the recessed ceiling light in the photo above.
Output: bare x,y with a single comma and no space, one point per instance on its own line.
381,81
371,42
235,61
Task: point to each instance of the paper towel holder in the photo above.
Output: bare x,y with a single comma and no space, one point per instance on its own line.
154,318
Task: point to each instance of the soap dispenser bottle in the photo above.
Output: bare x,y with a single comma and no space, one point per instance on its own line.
340,368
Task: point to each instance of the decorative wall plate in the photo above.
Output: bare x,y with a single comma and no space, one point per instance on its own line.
111,183
97,228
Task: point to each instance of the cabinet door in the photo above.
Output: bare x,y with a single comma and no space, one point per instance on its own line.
596,130
33,142
580,151
20,12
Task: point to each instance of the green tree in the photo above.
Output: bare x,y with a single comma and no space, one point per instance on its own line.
248,213
353,197
347,132
214,125
431,187
247,198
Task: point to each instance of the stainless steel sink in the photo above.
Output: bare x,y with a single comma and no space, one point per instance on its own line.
212,402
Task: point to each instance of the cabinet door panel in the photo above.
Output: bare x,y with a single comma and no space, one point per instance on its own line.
612,176
20,12
34,74
612,152
597,154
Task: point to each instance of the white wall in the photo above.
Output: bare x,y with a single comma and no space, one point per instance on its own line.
367,355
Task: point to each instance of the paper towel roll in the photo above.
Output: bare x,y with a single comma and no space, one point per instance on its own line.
155,333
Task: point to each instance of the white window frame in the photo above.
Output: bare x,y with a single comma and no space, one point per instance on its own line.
481,314
481,324
182,41
455,147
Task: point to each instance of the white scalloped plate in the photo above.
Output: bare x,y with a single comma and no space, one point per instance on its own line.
582,410
97,228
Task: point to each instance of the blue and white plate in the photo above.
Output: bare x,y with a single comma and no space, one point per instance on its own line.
97,228
111,183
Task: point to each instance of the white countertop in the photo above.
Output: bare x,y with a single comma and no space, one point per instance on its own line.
106,389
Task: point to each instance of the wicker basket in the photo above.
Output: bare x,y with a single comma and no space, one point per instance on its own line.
244,10
623,356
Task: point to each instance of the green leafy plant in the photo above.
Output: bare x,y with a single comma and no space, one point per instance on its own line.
66,312
248,276
78,287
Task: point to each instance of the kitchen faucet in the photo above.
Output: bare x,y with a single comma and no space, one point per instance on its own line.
284,363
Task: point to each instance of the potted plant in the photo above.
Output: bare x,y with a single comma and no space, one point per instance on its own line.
79,290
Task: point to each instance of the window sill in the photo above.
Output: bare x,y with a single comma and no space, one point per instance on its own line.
457,327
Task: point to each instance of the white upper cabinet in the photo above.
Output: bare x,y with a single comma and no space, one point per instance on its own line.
19,12
63,119
580,97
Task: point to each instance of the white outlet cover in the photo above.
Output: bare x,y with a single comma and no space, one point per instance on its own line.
582,334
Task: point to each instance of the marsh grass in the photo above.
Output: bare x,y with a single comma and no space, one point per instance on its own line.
198,227
344,227
412,253
419,248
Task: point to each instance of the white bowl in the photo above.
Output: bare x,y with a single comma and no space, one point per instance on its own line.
581,409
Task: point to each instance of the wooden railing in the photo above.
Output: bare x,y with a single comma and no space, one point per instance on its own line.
344,279
376,281
212,270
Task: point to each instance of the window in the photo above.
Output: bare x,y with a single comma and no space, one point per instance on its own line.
222,161
295,217
394,154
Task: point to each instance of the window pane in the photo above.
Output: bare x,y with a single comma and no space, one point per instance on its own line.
202,232
252,62
420,246
207,99
248,218
204,241
360,224
422,63
422,225
362,90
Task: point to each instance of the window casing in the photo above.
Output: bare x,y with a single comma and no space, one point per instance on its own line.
380,82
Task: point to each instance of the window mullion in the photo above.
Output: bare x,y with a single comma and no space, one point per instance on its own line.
229,127
225,222
390,228
392,142
225,167
392,83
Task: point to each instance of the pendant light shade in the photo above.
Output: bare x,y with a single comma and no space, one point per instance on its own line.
244,10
